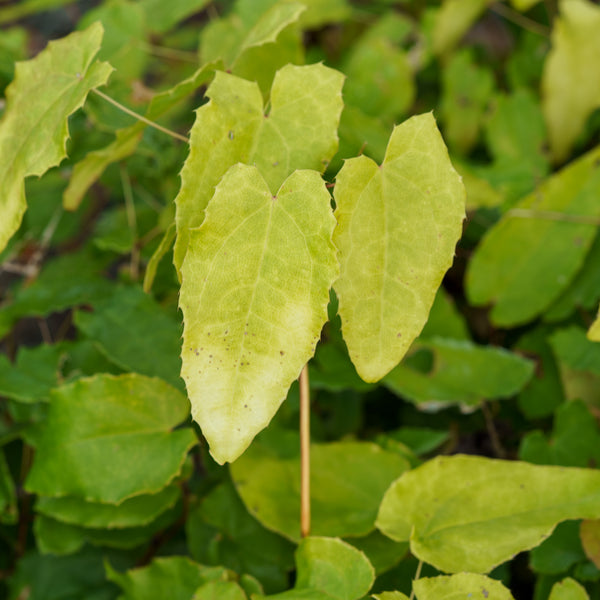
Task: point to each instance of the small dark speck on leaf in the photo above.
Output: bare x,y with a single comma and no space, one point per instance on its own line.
399,334
208,334
485,592
275,163
245,406
197,353
230,135
281,352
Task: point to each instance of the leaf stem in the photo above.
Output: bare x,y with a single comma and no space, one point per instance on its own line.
527,213
521,20
134,270
140,117
304,453
170,53
417,575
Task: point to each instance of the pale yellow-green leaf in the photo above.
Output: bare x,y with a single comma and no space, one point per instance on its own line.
166,243
469,513
227,39
299,132
524,5
571,79
568,589
271,23
33,130
594,330
390,596
589,532
453,20
254,296
397,228
459,587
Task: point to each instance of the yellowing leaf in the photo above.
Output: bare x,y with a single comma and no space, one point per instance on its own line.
397,228
593,333
469,513
453,20
568,589
590,539
254,296
299,132
460,586
33,131
571,79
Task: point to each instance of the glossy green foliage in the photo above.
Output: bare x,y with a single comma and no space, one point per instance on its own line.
328,568
575,441
97,426
472,513
32,135
348,480
444,371
173,577
530,256
250,325
468,88
121,326
220,531
389,272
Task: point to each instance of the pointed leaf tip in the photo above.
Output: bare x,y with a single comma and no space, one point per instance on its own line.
254,296
398,224
33,131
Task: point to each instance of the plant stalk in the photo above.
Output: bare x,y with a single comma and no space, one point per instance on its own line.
140,117
304,453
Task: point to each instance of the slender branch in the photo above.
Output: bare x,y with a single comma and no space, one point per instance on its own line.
492,431
170,53
140,117
304,453
134,265
521,20
526,213
417,575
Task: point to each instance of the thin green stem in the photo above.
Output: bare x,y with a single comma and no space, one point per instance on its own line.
140,117
169,53
417,575
521,20
304,453
134,265
526,213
